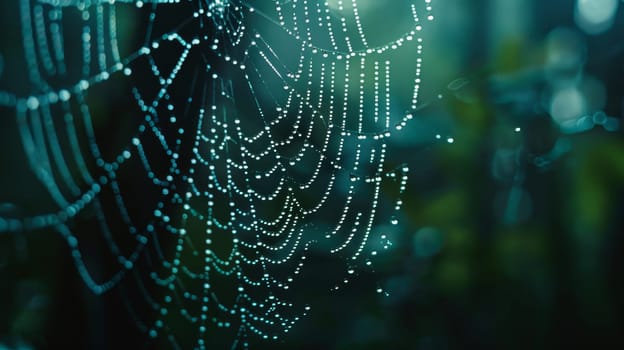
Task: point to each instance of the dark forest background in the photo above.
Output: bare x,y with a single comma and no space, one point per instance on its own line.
511,236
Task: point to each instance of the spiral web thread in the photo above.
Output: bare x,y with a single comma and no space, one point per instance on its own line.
259,135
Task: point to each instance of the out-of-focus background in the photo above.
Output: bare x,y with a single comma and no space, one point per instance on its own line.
512,231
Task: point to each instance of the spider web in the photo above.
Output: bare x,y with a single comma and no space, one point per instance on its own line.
247,137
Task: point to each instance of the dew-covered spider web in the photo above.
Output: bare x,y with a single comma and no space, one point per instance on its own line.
214,146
